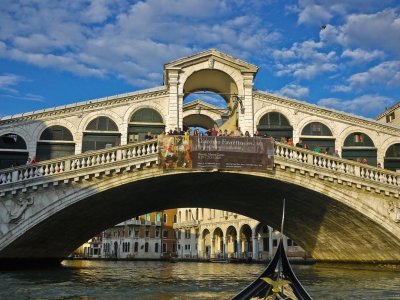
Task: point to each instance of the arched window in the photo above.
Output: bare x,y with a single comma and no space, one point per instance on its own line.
136,247
144,120
392,158
316,129
359,147
318,135
13,151
276,125
156,248
100,133
146,247
102,124
55,141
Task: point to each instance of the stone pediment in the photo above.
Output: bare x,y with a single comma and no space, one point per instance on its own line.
211,56
196,104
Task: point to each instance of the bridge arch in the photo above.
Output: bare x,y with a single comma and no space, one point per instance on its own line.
105,113
60,122
359,146
25,135
203,120
275,124
303,121
318,134
142,120
100,133
55,141
314,213
392,157
13,150
220,79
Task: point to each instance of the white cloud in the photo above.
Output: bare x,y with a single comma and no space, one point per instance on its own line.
127,40
294,91
370,105
386,73
380,30
315,14
361,56
304,60
9,81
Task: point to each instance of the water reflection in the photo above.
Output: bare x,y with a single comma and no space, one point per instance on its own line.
163,280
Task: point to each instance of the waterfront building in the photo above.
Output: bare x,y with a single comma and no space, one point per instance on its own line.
216,234
149,236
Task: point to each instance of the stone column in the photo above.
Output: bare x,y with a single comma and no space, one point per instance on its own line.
173,103
246,115
254,240
270,254
212,250
224,247
239,248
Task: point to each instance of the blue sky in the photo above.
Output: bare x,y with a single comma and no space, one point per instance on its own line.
344,56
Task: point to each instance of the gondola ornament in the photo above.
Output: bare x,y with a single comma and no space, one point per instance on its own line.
278,281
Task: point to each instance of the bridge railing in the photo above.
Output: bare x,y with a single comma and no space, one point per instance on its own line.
78,162
338,165
132,151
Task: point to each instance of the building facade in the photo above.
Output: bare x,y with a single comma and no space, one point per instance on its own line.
215,234
149,236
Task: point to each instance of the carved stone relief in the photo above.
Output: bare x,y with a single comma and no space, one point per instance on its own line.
394,211
12,211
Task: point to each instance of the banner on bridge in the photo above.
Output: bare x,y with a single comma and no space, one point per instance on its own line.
222,153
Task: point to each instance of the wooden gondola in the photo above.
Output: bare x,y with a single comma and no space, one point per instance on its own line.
278,281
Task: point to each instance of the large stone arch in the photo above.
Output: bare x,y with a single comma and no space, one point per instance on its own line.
337,214
230,72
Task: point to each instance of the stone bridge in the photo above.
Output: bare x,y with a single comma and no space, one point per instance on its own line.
336,209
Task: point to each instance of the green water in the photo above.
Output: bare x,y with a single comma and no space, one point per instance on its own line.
186,280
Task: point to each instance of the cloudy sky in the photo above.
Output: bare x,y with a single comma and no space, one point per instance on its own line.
343,56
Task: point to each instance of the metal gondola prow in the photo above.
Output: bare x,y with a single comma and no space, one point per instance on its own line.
278,280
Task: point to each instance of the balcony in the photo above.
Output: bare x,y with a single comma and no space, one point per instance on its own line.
158,223
186,224
147,223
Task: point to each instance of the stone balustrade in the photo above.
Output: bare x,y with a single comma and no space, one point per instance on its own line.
306,160
337,165
77,164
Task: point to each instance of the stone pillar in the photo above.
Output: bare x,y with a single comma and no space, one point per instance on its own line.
173,103
246,115
212,251
254,240
224,247
239,248
270,253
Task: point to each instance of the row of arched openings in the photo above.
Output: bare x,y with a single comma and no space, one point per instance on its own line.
58,141
102,132
356,146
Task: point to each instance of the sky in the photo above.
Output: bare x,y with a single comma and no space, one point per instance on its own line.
343,55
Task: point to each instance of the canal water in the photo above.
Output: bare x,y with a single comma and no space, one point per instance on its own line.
189,280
